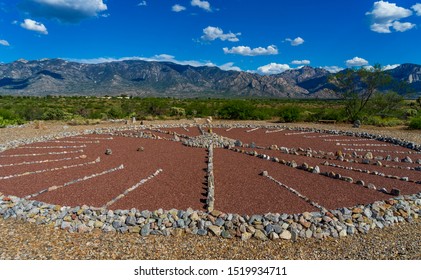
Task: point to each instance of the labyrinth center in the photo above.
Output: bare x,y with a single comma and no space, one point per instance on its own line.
255,170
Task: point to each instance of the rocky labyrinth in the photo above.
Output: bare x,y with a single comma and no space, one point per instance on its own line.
262,181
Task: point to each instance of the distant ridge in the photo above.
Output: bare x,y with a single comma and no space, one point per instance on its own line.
166,79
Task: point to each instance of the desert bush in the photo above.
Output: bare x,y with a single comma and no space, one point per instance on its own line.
415,123
382,122
290,114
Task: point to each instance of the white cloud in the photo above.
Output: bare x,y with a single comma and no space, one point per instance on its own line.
64,10
211,33
356,62
295,42
381,27
229,66
33,25
201,4
247,51
4,43
402,26
333,69
390,67
417,9
273,68
178,8
301,62
386,15
142,3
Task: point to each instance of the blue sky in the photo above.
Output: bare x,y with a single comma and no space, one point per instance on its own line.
265,36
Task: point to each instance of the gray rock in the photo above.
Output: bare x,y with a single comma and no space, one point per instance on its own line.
407,159
395,192
130,221
356,124
116,224
219,222
277,228
202,232
145,230
226,234
108,152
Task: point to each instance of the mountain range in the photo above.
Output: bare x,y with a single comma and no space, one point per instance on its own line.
166,79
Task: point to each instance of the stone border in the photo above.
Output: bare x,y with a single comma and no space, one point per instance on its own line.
326,223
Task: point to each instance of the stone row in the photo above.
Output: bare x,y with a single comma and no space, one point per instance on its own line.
44,154
346,140
74,142
274,131
94,138
50,169
253,129
53,188
380,151
52,147
132,188
40,161
323,224
376,173
210,200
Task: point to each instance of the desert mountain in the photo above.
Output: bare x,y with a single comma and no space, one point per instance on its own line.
146,78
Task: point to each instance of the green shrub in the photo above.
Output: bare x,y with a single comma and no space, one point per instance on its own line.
290,114
415,123
383,122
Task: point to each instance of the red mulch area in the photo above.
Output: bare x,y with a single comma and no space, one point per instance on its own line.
327,192
240,189
179,185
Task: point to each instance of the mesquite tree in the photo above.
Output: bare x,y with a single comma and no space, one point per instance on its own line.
358,86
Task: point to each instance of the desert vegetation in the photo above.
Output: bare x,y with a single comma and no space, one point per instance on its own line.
382,109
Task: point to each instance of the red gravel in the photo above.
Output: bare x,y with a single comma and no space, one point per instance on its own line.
240,189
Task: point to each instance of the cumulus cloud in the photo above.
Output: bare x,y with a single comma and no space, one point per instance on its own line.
402,26
4,43
201,4
247,51
386,15
356,62
229,67
211,33
178,8
333,69
33,25
390,67
295,42
142,3
273,68
64,10
417,9
301,62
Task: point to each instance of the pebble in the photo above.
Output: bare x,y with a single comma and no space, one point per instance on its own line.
285,235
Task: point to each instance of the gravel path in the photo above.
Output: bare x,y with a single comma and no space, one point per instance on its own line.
29,241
